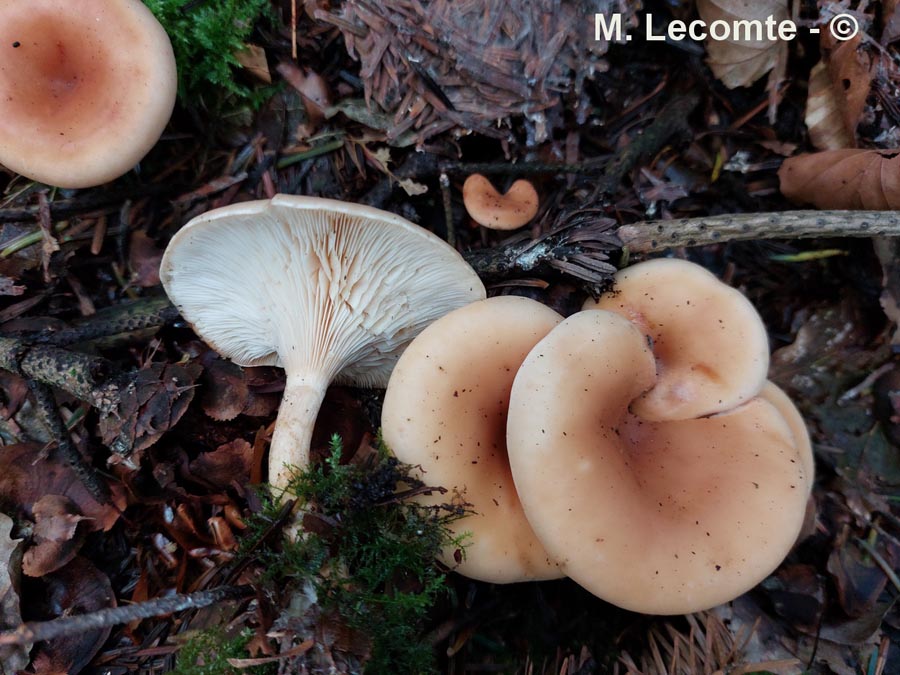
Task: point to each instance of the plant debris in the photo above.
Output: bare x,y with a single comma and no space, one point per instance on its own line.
134,534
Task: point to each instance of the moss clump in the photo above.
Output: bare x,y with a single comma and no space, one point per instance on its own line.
205,37
207,653
372,556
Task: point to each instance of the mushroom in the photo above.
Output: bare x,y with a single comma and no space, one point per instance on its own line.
325,289
657,517
86,88
772,393
499,212
445,412
711,347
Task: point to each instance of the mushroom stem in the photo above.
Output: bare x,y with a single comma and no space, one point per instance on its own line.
303,396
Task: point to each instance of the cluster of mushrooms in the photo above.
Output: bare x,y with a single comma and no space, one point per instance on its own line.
635,447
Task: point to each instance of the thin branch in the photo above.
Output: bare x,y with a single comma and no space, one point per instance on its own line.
649,237
37,631
150,312
87,378
49,413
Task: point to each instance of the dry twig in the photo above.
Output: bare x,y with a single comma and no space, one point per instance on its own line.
649,237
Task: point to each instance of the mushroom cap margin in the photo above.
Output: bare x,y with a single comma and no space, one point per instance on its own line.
445,412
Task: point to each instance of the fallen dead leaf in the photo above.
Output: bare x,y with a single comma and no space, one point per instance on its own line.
843,179
153,402
850,71
26,476
253,59
12,657
225,391
823,115
77,588
143,259
229,390
55,541
891,21
228,463
312,87
739,63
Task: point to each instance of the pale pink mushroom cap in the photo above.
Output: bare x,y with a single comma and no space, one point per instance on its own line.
445,411
656,517
496,211
711,347
325,289
772,393
86,88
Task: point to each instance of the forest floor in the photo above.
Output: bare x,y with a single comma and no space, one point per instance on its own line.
133,453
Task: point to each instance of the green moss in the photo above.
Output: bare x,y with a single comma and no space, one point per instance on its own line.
385,546
205,36
207,653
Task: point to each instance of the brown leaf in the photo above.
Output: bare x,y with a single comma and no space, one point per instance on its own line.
823,115
843,179
55,541
225,391
739,63
850,70
229,390
143,259
26,476
77,588
155,400
226,464
891,20
12,657
312,87
253,58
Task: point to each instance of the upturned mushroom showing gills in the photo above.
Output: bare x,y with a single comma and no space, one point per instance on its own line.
711,347
660,517
445,412
86,88
325,289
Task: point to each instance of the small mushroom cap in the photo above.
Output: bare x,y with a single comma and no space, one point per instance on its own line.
499,212
86,88
711,347
445,411
772,393
656,517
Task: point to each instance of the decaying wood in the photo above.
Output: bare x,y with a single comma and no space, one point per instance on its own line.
36,631
49,413
87,378
649,237
128,317
579,247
